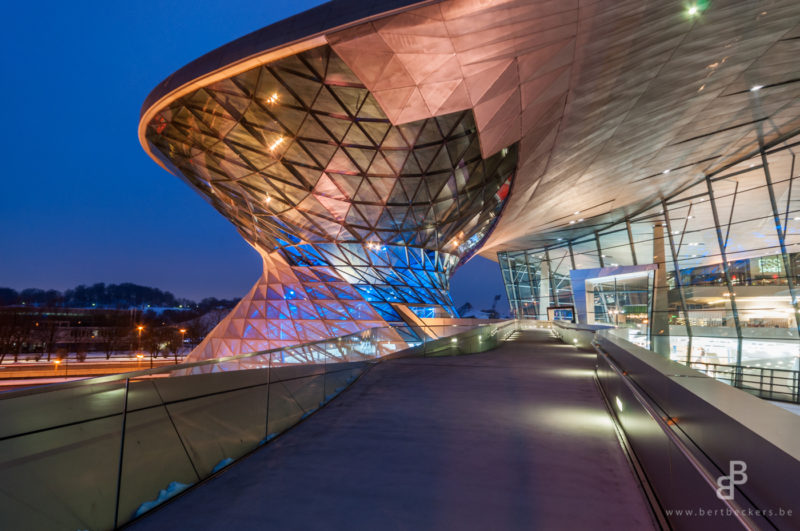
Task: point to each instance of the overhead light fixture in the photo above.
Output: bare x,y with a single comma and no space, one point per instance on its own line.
756,88
666,171
577,212
275,144
572,222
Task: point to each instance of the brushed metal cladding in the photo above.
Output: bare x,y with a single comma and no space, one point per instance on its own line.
713,414
603,97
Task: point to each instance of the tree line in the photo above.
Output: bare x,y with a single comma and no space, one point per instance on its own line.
35,333
101,295
102,318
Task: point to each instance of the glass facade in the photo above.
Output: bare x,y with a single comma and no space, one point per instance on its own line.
728,255
300,157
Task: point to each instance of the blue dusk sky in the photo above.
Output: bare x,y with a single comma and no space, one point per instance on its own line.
81,202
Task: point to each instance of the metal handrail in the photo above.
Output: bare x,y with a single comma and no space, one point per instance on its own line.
361,334
765,382
708,477
271,407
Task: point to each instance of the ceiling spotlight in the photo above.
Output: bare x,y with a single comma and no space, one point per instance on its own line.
756,88
276,144
666,171
572,222
580,219
692,11
560,239
577,212
268,199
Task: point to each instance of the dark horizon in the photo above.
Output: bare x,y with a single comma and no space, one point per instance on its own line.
480,295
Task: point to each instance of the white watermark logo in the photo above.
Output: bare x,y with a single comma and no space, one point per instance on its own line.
726,488
726,485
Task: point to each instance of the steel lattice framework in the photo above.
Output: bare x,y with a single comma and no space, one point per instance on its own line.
352,214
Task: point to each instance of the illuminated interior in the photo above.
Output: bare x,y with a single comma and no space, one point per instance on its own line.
734,241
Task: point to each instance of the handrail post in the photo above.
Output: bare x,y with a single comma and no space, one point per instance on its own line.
795,387
771,383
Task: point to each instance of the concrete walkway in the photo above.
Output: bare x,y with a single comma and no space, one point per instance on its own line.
515,438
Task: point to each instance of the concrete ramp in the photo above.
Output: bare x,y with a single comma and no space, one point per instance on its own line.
515,438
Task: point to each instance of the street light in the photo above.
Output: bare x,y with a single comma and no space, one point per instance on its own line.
139,344
183,338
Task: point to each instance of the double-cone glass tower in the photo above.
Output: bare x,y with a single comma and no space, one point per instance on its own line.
632,164
352,215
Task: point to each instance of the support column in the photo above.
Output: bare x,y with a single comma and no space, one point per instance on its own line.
780,227
659,319
546,293
723,243
630,241
678,282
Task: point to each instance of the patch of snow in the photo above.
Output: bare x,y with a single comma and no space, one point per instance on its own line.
222,464
173,489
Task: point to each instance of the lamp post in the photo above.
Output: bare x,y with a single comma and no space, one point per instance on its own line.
139,343
183,338
139,346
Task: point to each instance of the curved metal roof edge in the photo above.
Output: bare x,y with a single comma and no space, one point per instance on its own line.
283,38
330,16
